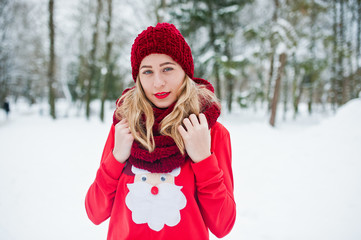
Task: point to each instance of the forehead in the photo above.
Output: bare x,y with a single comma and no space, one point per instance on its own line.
155,59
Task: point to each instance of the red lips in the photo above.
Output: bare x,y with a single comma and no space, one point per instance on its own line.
162,95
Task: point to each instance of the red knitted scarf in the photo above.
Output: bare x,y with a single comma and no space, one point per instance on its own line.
166,155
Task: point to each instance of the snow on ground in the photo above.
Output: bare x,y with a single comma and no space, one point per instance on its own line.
300,180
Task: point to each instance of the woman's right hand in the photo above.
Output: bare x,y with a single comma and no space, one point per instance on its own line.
123,140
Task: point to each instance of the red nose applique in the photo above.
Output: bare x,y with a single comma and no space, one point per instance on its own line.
154,190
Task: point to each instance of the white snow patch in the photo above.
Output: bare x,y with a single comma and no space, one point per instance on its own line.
300,180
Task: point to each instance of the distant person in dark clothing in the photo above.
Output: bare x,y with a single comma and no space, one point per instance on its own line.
6,107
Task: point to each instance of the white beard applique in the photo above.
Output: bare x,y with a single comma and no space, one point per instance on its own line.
154,199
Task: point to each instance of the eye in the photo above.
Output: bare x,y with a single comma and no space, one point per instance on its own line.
144,178
146,72
163,178
167,69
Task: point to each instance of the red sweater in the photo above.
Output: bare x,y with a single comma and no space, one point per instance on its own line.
202,193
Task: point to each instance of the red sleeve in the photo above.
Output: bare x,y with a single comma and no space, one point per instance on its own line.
214,181
100,197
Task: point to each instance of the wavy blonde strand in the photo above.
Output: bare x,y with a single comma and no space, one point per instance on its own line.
192,98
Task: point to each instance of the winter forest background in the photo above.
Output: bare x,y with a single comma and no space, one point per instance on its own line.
288,74
254,52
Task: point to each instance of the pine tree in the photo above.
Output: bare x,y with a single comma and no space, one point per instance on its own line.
218,22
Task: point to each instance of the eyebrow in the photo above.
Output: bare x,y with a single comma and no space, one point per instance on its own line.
160,65
145,66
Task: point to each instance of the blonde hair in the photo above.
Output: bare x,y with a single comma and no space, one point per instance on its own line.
192,98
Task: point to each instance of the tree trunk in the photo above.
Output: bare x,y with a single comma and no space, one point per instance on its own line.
273,52
296,87
349,82
357,77
230,78
93,65
108,74
344,82
340,57
298,98
313,57
333,91
270,77
282,60
6,17
358,45
51,69
285,97
310,99
230,87
218,80
159,11
212,37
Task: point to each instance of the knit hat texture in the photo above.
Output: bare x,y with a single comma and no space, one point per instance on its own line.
164,38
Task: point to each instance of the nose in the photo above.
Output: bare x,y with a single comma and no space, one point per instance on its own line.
154,190
158,81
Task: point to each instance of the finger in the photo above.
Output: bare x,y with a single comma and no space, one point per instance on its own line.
121,122
125,124
187,123
194,119
123,127
182,131
203,119
126,127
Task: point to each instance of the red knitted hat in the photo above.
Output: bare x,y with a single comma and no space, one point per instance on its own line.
163,39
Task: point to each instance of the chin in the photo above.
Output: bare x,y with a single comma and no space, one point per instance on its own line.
162,105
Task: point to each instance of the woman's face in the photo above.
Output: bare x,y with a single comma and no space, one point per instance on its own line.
161,78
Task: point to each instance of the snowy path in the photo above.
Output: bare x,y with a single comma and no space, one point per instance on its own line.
298,182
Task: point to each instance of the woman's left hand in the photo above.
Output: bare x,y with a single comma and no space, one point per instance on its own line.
196,137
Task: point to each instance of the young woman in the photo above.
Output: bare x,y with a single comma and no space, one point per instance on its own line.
165,172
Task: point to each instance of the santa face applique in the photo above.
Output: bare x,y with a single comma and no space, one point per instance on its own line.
154,199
